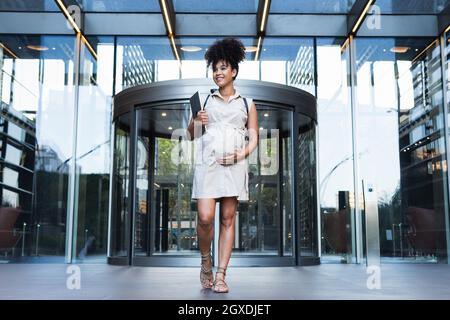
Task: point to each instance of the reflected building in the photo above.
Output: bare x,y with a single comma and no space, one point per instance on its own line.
17,187
418,223
136,68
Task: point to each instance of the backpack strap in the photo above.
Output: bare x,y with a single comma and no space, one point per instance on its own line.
246,108
204,105
246,104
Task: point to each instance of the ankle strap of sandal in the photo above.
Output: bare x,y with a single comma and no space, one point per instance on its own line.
206,255
221,270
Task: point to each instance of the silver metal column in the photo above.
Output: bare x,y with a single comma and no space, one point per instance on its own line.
372,226
72,188
358,223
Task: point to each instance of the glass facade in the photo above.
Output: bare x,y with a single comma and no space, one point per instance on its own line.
307,6
401,144
67,181
335,152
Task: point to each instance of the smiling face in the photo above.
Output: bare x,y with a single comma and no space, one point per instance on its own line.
223,73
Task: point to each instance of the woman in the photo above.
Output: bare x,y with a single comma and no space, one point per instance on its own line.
221,166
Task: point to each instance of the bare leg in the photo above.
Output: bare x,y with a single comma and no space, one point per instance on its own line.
226,237
205,233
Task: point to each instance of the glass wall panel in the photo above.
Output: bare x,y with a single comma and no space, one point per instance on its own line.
412,6
307,183
120,215
446,53
308,6
93,148
37,107
120,5
335,152
142,60
216,6
264,224
29,5
164,169
401,145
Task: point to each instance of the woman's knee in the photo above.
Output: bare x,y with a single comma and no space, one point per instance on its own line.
206,211
205,220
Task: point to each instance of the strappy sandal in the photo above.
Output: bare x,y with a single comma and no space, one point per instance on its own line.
219,284
206,274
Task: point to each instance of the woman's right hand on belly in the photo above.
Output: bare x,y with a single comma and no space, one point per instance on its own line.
202,116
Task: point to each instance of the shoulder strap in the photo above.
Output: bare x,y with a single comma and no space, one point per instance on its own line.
204,105
246,108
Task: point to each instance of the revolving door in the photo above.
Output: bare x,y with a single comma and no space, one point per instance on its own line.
152,217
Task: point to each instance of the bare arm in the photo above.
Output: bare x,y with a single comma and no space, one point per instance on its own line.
201,119
253,132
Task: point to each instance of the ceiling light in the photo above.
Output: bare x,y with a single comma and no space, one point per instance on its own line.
68,16
164,114
8,51
266,114
250,49
191,48
170,128
258,47
37,47
400,49
88,45
166,16
264,16
362,16
174,46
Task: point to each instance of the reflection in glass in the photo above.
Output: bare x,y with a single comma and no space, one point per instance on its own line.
308,6
335,152
93,148
307,212
144,60
120,5
36,134
29,5
216,6
165,218
269,208
121,179
401,145
412,6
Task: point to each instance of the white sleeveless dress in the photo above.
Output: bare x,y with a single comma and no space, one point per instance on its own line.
225,131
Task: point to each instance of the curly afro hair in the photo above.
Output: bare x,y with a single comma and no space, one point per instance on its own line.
230,50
